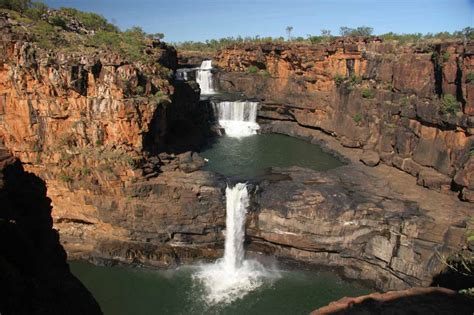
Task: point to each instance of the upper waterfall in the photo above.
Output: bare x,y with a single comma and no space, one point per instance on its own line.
204,78
239,119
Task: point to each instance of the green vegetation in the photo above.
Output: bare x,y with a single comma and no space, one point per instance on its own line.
354,80
65,178
357,118
15,5
368,93
91,21
446,56
252,69
449,104
404,101
338,79
358,31
264,73
470,78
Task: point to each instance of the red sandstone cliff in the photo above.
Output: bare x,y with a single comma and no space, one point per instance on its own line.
382,97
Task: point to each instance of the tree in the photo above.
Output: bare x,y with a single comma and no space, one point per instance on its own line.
16,5
289,29
325,33
358,31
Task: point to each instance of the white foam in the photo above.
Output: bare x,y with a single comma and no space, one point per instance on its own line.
238,118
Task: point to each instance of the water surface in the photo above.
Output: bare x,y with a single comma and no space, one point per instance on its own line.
253,155
126,291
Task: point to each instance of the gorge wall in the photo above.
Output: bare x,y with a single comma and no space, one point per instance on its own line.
112,139
96,127
410,106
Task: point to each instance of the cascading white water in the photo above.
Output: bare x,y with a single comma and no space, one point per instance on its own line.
204,78
237,118
232,276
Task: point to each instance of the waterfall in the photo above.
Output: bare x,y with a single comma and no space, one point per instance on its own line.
232,277
237,202
204,78
237,118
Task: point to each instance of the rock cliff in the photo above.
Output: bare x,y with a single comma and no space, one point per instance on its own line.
410,106
95,126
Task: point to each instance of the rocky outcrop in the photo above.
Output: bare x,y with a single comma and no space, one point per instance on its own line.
34,275
412,301
362,220
412,105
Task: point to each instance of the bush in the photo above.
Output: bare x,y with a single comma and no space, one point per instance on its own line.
470,78
353,80
449,104
265,73
36,11
91,21
357,118
368,93
446,56
404,101
338,79
15,5
58,21
252,69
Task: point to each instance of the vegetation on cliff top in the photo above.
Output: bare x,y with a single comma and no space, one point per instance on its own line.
325,37
73,30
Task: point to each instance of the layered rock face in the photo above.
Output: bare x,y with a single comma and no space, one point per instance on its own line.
34,275
411,107
94,126
374,224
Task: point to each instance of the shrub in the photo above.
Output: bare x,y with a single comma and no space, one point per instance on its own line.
470,78
404,101
252,69
91,21
58,21
15,5
354,79
265,73
368,93
357,118
446,56
65,178
338,79
36,11
99,142
449,104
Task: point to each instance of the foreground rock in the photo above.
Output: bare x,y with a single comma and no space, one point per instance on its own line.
411,301
34,275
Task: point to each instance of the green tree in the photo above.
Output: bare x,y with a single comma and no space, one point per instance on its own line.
16,5
289,29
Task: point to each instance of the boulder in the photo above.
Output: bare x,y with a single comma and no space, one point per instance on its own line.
370,158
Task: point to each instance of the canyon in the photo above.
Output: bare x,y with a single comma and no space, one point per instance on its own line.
115,143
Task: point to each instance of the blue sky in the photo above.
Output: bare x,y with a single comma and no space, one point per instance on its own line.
199,20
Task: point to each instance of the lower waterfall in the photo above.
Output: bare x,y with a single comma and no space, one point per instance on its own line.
237,118
232,277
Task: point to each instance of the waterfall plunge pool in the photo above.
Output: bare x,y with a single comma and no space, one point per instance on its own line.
126,290
251,156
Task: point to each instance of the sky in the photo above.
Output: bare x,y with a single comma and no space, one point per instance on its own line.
198,20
